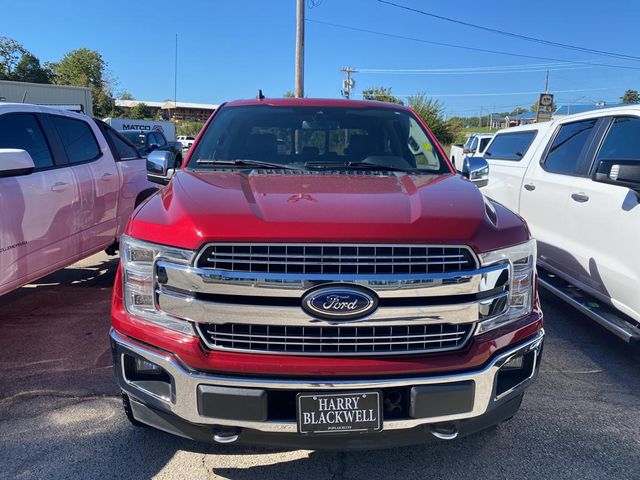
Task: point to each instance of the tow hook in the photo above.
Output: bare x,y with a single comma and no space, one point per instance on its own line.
444,431
226,434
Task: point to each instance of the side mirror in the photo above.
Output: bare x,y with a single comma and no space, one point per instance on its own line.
625,173
153,146
466,150
160,166
476,169
15,162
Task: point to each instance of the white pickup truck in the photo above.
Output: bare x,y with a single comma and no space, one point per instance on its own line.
68,185
474,147
576,181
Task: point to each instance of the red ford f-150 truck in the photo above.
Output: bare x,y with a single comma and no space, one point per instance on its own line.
316,275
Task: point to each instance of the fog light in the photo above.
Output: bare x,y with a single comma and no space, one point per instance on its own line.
515,372
514,364
146,368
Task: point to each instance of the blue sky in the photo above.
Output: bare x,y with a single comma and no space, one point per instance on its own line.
229,49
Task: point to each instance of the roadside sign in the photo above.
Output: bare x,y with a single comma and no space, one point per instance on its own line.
545,107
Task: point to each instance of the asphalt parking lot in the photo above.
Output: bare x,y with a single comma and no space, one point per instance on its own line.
61,417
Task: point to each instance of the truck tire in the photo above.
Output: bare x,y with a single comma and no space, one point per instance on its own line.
126,406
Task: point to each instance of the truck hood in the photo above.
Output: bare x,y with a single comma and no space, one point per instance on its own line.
360,207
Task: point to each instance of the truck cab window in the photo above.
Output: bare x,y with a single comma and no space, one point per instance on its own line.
77,138
510,146
621,142
22,131
565,155
123,149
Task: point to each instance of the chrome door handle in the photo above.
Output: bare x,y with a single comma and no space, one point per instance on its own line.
107,176
59,186
530,186
580,197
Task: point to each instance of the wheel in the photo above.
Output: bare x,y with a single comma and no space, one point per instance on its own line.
126,406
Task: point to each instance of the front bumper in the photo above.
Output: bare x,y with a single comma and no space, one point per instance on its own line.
176,407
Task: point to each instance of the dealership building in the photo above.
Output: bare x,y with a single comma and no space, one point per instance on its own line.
179,111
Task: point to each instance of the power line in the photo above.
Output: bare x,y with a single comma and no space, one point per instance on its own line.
470,71
514,35
464,47
490,94
483,67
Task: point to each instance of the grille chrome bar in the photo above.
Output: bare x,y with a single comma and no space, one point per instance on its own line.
187,279
334,340
201,311
294,337
336,258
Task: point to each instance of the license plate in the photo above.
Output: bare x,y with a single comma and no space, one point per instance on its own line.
339,412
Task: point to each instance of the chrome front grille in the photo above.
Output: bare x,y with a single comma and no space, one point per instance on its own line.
339,259
334,340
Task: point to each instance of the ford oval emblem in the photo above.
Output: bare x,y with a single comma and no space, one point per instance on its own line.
340,303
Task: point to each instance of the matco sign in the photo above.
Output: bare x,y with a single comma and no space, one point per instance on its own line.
139,127
168,129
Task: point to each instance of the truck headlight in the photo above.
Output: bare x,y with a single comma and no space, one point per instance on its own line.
522,270
138,261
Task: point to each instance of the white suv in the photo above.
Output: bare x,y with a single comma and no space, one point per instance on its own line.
576,181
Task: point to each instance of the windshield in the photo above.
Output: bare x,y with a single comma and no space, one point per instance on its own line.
137,138
318,137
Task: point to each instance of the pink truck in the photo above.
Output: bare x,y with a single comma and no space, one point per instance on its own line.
68,184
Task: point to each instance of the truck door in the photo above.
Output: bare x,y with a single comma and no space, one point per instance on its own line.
132,172
603,222
95,171
546,193
508,157
39,230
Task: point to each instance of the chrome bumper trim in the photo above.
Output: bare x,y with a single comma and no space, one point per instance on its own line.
184,398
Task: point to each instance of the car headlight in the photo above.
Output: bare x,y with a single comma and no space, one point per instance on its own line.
138,261
522,270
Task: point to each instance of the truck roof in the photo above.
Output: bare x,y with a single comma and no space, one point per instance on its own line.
317,102
30,107
531,126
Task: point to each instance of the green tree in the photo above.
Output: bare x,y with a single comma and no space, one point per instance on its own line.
631,96
126,96
140,111
28,69
432,113
381,94
190,129
289,94
87,68
10,54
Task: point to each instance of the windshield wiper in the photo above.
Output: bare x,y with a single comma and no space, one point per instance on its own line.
357,166
244,163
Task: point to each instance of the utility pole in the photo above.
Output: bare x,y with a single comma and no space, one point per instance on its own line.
300,49
546,82
349,83
480,121
175,86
